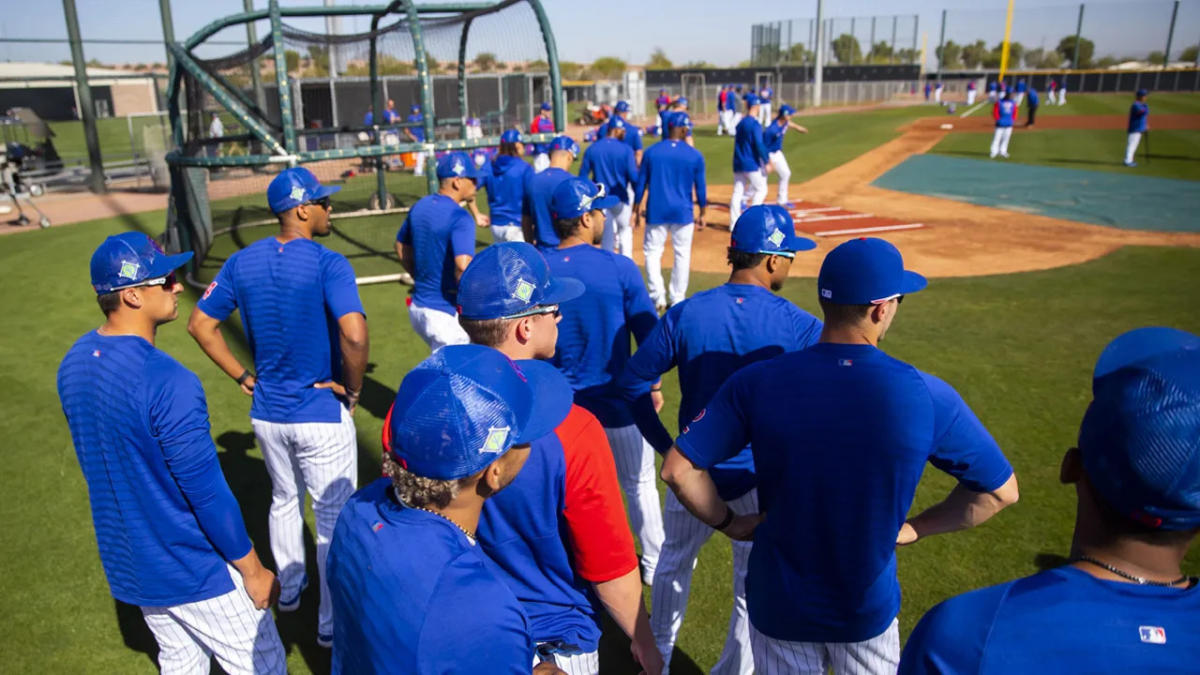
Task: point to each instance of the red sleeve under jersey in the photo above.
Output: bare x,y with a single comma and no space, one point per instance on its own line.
996,111
597,530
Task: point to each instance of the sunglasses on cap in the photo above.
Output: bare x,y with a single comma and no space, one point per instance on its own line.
168,282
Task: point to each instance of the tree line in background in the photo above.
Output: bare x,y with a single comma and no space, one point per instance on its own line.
953,56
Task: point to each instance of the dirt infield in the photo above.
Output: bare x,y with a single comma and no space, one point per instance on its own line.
959,239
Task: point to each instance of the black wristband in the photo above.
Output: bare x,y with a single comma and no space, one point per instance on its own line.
726,520
653,389
246,374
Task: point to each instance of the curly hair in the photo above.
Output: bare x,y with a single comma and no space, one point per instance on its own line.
418,491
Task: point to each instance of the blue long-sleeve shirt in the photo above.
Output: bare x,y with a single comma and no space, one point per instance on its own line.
670,171
773,135
749,151
1139,114
611,163
505,185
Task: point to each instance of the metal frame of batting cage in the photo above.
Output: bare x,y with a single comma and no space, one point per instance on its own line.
285,149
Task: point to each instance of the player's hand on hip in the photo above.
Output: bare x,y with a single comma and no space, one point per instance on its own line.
337,388
262,587
247,385
656,397
907,535
742,527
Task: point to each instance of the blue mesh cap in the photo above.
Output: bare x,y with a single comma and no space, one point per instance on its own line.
510,136
866,271
1140,437
296,186
622,106
509,280
565,143
575,196
457,164
751,99
130,259
682,100
786,109
678,119
546,105
768,229
464,407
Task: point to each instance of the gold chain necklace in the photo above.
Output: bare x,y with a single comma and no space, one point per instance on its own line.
449,520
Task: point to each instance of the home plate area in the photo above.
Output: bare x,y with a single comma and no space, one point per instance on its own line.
821,220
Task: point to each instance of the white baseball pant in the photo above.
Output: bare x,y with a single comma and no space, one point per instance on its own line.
937,94
653,245
1062,95
507,233
685,535
243,639
737,119
780,164
322,459
1018,97
1000,141
618,234
419,167
724,117
1131,146
435,327
971,94
541,162
635,472
756,193
879,655
993,96
573,664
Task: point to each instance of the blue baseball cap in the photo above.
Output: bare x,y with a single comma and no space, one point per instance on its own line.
1140,437
130,259
464,407
296,186
575,196
546,105
565,143
866,271
678,119
510,136
622,106
509,280
617,122
751,98
786,109
682,100
414,108
1141,92
457,164
768,229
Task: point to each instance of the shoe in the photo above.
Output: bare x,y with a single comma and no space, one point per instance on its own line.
992,156
292,603
1004,155
789,205
1130,164
325,641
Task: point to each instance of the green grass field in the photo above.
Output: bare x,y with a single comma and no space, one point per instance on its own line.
1019,348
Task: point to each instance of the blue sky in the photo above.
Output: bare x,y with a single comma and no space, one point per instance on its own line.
717,31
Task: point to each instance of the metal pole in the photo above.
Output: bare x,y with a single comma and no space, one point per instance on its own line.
260,96
560,115
168,26
462,76
332,24
852,38
1078,32
895,20
426,92
377,114
819,70
1170,35
281,80
916,27
872,47
1007,37
86,112
942,48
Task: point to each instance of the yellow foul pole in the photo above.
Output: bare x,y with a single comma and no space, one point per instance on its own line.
1007,35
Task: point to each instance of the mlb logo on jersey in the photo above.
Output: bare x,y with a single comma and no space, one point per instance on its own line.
845,363
1154,635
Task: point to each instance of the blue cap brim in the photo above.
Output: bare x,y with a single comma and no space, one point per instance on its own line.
562,289
325,191
1140,344
797,243
606,202
168,263
552,400
912,282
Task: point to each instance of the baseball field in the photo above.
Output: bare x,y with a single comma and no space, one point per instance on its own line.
1022,298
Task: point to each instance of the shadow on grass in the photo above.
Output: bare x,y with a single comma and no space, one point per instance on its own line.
616,658
134,631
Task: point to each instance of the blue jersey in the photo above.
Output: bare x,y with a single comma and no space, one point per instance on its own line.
593,337
1033,101
541,125
671,171
505,185
1021,86
766,94
1062,620
419,130
439,230
610,163
369,118
633,135
773,135
1005,113
731,100
1139,114
290,297
539,191
992,86
412,594
749,151
166,522
708,337
823,472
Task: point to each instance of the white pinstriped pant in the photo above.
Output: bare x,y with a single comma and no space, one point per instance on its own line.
635,472
757,192
879,655
575,664
618,235
243,639
685,535
322,459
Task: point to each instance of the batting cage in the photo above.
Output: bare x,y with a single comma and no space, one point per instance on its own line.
370,111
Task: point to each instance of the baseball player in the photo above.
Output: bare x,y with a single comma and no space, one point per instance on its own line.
307,330
660,106
764,105
938,88
750,159
672,171
993,91
840,434
722,95
972,92
1062,92
737,114
773,140
170,532
537,221
593,346
1139,123
1121,604
633,135
1005,114
542,124
559,532
1052,91
434,245
1019,96
928,90
412,590
415,133
708,337
1031,106
505,186
610,162
215,130
727,110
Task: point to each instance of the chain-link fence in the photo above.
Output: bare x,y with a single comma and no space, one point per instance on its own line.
848,41
702,94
